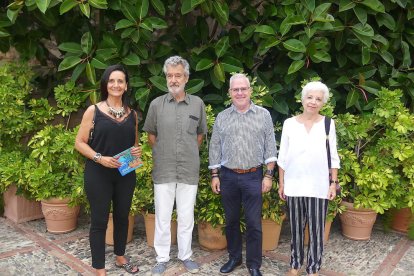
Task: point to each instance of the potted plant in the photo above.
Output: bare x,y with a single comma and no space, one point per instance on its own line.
273,214
376,151
53,173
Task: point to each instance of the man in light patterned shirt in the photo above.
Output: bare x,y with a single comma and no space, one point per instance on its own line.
242,141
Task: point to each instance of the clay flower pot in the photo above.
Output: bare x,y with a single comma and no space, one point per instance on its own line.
271,233
149,220
211,238
59,217
357,224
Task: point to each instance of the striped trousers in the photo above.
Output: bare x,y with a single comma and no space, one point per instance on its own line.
311,211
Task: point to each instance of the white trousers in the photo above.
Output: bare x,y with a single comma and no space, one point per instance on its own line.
185,196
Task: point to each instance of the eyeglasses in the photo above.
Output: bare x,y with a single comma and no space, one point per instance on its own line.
241,89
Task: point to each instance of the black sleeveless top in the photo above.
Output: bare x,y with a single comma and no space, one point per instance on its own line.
110,137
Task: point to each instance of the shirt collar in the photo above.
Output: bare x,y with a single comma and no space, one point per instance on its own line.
171,98
252,108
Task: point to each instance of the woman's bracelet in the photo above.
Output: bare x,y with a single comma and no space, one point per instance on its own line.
333,181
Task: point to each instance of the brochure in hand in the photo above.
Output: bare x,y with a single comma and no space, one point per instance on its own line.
129,162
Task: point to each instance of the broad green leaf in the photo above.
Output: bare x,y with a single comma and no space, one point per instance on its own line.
204,64
231,64
90,73
247,33
158,7
42,5
386,20
162,51
141,95
295,45
374,5
352,98
285,26
361,14
142,8
281,106
154,68
221,12
405,48
68,63
129,12
363,29
157,23
85,9
98,64
321,9
219,72
271,42
71,47
127,32
67,5
86,43
326,18
321,55
343,80
367,41
265,29
295,56
309,5
380,38
346,5
221,46
124,23
194,85
189,5
295,66
159,82
295,20
410,14
12,14
213,99
136,81
146,24
366,55
99,4
77,71
199,50
310,31
388,57
4,34
131,59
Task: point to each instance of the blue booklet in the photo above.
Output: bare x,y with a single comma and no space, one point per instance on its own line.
129,162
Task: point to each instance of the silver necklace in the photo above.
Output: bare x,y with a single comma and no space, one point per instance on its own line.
117,113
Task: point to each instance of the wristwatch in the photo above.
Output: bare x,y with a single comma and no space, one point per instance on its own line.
270,172
97,157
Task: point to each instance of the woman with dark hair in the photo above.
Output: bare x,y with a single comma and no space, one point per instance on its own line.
113,126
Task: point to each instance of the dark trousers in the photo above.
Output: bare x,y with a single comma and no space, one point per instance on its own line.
103,186
311,211
246,189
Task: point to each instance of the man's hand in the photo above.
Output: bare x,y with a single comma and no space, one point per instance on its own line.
266,184
215,185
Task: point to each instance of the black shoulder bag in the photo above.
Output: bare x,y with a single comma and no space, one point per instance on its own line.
93,126
328,152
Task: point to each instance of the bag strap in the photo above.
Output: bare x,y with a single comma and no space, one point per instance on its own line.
93,125
328,150
136,128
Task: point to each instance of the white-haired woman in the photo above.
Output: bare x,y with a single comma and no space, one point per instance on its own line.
304,176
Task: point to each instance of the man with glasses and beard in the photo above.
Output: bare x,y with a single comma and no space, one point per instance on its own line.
175,123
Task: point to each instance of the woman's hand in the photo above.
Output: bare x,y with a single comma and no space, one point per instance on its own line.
136,151
109,162
282,192
266,184
332,192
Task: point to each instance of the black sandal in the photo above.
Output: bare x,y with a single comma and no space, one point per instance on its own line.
128,267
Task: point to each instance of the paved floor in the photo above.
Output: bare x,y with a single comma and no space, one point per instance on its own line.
27,249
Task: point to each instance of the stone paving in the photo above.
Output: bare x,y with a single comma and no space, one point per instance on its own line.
27,249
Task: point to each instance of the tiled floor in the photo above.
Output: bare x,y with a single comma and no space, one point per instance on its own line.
27,249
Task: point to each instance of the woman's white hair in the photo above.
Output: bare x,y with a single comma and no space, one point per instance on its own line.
316,86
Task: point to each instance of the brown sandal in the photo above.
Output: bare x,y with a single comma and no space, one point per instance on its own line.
128,267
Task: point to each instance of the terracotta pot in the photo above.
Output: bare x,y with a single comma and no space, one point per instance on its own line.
109,236
20,209
211,238
328,225
271,233
149,220
59,217
401,219
357,224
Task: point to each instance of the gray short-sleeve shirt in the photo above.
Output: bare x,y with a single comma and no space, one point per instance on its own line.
176,126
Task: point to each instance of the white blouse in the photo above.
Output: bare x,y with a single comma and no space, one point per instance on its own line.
303,157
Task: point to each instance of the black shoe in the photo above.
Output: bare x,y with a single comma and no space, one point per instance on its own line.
230,265
255,272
